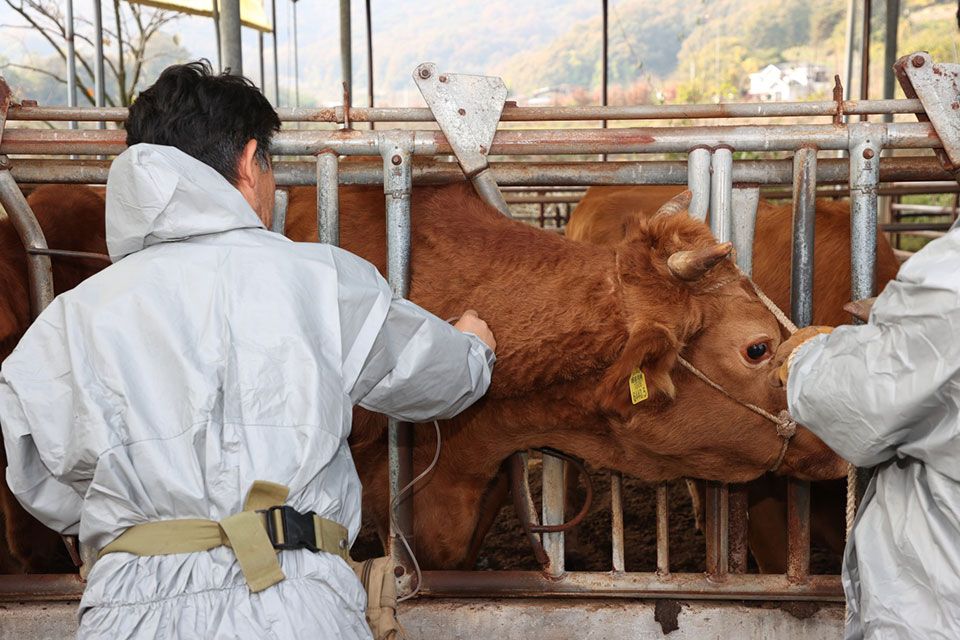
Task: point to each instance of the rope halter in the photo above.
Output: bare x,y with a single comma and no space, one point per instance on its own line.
786,426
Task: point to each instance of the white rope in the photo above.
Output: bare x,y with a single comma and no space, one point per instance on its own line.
393,507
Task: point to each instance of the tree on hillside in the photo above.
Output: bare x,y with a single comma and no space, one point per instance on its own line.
130,43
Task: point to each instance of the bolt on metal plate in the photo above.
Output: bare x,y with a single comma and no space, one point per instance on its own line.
937,85
467,108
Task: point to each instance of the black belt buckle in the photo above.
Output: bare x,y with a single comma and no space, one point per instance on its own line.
299,531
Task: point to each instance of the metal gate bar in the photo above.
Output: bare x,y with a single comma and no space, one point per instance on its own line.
519,114
773,172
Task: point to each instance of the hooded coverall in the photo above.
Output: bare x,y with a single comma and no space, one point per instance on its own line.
887,394
214,353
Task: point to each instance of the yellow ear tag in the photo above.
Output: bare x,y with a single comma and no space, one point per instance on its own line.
638,386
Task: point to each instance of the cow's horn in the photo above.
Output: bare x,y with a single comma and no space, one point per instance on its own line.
677,204
692,265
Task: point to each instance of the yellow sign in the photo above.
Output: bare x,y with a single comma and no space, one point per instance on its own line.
638,386
251,11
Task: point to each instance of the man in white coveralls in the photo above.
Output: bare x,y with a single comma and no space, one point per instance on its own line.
887,394
209,375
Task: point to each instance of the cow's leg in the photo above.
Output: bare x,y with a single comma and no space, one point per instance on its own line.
767,523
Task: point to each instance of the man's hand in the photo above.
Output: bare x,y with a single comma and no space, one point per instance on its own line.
781,360
470,321
860,309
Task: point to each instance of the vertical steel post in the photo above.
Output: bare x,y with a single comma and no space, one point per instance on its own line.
866,143
663,530
373,125
346,49
801,312
328,197
721,193
396,149
230,43
553,495
216,33
698,180
296,59
616,511
865,56
890,53
717,528
98,83
279,222
603,60
850,47
39,274
71,61
276,60
804,206
263,75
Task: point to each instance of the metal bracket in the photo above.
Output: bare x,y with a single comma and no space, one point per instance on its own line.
937,85
468,109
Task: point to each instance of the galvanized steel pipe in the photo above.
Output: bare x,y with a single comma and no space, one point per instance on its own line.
39,273
802,261
553,501
328,198
698,180
721,186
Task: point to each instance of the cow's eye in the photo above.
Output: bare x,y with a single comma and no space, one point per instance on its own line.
757,351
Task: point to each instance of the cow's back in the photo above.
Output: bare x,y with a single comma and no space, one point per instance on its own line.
831,280
599,216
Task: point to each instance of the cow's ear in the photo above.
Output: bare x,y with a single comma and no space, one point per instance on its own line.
651,350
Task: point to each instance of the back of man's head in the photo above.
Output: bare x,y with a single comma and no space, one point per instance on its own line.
208,116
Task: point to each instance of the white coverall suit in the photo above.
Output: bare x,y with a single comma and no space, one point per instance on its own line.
887,394
214,353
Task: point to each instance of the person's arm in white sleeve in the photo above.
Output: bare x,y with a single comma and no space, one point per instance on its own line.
399,359
422,368
874,390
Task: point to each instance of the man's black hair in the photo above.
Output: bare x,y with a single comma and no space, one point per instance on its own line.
208,116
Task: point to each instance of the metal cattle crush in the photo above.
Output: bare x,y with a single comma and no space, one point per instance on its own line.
725,190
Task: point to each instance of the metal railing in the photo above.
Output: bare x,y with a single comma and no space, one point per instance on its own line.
717,182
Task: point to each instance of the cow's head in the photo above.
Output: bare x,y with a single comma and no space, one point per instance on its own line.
683,296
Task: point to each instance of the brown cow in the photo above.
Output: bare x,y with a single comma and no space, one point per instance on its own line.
27,545
601,218
573,321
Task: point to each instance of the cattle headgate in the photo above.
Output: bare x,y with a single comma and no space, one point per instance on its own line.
834,149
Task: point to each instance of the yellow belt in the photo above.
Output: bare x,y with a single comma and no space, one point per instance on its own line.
245,532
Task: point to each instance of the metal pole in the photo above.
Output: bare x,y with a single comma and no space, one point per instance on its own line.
865,55
99,90
553,498
698,180
280,200
328,198
804,206
721,188
890,52
263,77
71,62
39,275
296,58
216,34
370,61
603,95
849,49
396,149
346,59
276,63
230,44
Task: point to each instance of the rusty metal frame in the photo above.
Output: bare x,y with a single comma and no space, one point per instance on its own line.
864,172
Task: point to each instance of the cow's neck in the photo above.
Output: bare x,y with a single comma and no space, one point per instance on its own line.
553,304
